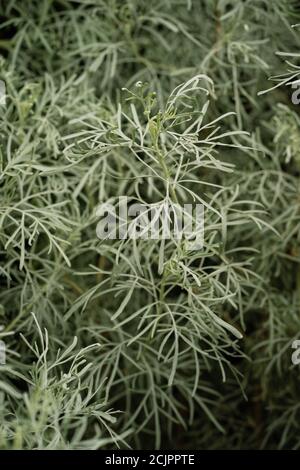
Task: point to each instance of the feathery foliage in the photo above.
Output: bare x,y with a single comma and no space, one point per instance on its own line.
148,343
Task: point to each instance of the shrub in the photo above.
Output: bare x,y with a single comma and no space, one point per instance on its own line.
149,343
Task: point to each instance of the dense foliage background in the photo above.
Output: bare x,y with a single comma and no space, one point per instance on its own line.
141,343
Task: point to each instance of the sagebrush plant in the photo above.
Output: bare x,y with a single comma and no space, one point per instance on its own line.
148,343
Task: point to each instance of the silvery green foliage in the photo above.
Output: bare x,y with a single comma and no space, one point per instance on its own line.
145,342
